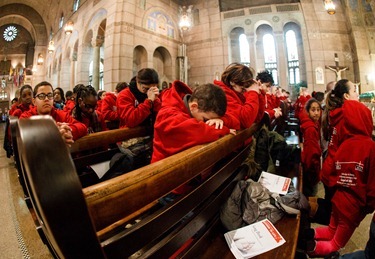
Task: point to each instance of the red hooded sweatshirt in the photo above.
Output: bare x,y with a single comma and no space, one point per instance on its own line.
311,153
132,113
299,106
354,164
335,124
21,109
69,106
175,129
109,109
78,129
247,107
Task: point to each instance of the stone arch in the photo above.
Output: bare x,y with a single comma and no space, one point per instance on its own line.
162,63
39,30
234,50
139,59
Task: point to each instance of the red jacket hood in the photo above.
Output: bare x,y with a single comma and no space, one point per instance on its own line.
357,120
306,121
111,96
174,95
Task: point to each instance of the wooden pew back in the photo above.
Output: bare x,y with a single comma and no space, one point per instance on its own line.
71,217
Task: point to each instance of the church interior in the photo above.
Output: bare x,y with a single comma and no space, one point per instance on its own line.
305,43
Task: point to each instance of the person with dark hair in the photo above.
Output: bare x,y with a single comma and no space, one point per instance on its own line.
331,124
188,118
300,103
70,129
271,103
69,106
101,96
26,97
351,174
311,151
319,96
109,103
58,98
85,110
139,103
244,98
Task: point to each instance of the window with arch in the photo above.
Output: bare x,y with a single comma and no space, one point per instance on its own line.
244,50
61,22
270,59
293,61
75,5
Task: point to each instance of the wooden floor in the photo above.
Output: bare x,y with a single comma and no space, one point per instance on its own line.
19,239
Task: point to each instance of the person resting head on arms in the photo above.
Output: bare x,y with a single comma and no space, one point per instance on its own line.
69,128
187,119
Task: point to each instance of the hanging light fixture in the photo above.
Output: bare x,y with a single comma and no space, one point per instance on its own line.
329,6
185,20
51,47
68,27
40,60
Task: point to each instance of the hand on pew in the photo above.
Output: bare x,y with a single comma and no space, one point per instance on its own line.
66,132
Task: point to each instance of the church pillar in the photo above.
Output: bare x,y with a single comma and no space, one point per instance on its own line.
252,51
96,62
281,57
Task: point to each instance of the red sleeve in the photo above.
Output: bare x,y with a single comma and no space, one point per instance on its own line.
311,151
108,111
69,106
262,107
175,131
130,114
17,113
78,128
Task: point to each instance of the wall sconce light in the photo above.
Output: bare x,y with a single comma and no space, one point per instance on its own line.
185,18
330,6
68,27
40,60
51,47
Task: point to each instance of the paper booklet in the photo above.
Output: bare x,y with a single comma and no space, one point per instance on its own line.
254,239
275,183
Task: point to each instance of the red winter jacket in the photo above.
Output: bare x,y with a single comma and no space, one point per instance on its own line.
175,130
109,108
69,106
78,129
130,112
299,106
335,124
21,109
354,164
311,153
245,107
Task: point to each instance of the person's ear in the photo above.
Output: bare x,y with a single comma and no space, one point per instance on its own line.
193,106
33,100
346,96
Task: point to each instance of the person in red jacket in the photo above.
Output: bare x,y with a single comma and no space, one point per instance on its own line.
270,104
311,150
139,103
245,103
109,105
70,128
188,118
101,96
354,178
26,97
300,103
71,100
85,112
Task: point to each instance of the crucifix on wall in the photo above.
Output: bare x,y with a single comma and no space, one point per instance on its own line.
337,68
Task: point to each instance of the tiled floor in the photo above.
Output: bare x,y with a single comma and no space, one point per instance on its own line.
19,239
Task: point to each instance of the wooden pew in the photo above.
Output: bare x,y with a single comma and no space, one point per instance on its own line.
90,223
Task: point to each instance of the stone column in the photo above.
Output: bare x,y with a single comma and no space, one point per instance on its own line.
282,59
252,51
96,44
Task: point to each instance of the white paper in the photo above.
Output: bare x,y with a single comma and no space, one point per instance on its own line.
101,168
254,239
275,183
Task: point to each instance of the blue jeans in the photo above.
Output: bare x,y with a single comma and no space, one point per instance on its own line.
369,252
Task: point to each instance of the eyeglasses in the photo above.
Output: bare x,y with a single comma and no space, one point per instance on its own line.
89,106
43,96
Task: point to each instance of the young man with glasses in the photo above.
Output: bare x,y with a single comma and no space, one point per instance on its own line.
70,128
